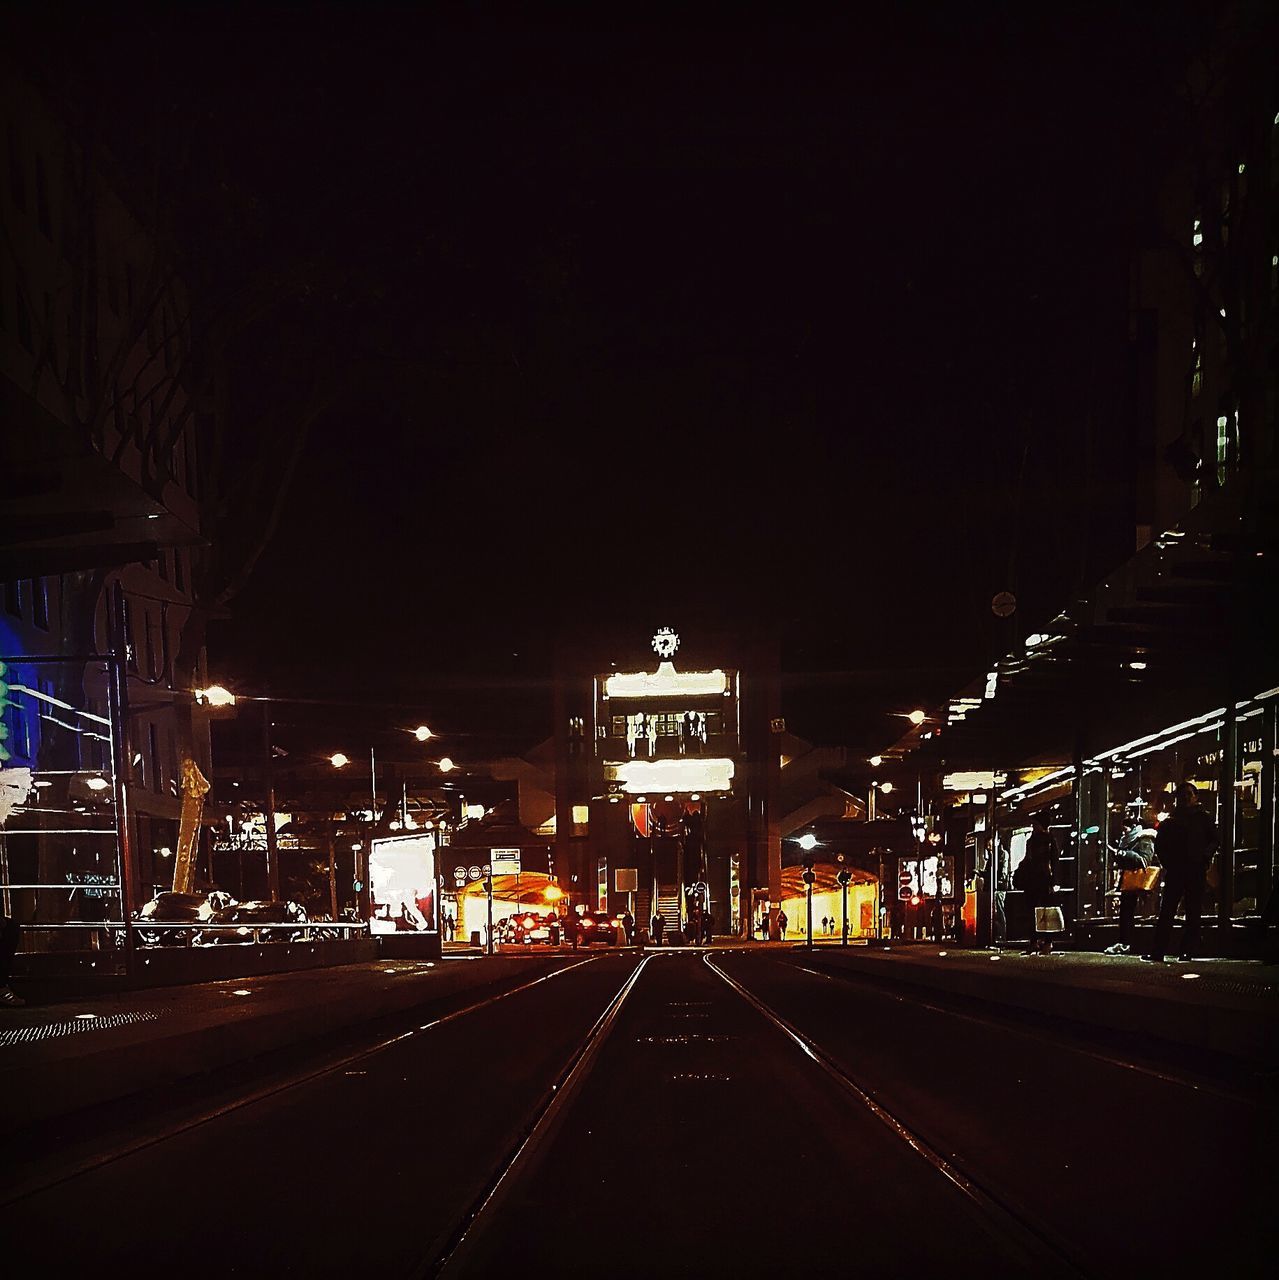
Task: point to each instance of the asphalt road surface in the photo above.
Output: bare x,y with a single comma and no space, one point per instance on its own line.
735,1114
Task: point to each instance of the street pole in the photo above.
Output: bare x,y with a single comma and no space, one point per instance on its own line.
809,877
845,938
272,840
488,885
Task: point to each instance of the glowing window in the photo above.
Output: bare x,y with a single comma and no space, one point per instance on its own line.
581,815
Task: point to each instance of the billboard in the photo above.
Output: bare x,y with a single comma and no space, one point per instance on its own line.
402,896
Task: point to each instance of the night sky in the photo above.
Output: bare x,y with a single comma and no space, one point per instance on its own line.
787,325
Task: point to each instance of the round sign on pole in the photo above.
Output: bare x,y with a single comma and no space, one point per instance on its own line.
473,873
1004,604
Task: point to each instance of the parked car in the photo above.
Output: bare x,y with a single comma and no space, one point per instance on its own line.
598,926
169,909
241,922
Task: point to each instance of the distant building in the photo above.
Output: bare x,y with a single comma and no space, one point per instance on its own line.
667,767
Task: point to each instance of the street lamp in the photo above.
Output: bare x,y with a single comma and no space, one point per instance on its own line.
215,696
809,876
447,765
917,717
422,733
808,841
844,876
885,787
876,761
339,761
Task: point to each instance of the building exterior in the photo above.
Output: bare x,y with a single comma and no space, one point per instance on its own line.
100,505
667,776
1165,670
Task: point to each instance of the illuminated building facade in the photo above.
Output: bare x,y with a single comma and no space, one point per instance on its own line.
667,773
101,515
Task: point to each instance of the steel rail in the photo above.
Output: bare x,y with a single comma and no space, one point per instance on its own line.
882,987
1046,1254
544,1121
24,1190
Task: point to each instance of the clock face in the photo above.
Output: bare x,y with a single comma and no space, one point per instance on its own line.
665,642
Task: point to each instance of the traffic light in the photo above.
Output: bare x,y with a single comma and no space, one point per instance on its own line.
4,712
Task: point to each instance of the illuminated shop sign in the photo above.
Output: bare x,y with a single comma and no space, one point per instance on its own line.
402,884
637,777
665,682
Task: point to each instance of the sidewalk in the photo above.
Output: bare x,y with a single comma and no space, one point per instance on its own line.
1220,1006
65,1053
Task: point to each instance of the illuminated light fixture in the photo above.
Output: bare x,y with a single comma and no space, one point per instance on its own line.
917,717
552,893
476,811
447,765
943,953
992,684
670,798
876,761
582,814
339,761
87,1016
642,776
242,991
885,787
979,797
1186,977
215,696
96,783
422,733
165,852
1136,666
1033,640
665,682
665,642
808,841
695,796
43,782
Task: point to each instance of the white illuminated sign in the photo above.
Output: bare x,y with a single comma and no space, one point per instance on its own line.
975,780
665,682
641,776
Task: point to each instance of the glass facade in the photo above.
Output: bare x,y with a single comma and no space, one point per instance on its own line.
1124,793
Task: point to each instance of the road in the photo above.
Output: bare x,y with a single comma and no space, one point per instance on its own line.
680,1114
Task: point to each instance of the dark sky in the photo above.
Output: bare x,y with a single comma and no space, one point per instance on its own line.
790,324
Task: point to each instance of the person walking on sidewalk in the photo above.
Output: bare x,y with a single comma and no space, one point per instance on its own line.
782,922
1185,845
658,924
1038,880
9,931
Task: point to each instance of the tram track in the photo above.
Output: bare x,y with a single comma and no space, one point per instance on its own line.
14,1193
1053,1034
1031,1243
1041,1248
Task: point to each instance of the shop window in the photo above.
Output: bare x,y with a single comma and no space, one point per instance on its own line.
24,325
153,757
1250,754
40,603
17,172
130,649
43,217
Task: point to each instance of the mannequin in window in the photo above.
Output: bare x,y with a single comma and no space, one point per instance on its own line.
650,731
